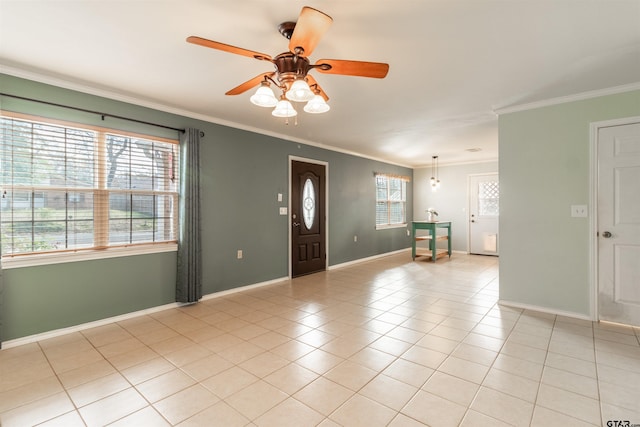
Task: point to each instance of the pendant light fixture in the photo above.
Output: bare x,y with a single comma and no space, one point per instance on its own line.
435,180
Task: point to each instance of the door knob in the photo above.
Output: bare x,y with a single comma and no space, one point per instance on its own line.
606,234
296,224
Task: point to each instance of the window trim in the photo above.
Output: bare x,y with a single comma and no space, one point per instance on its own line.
73,255
389,176
394,225
97,251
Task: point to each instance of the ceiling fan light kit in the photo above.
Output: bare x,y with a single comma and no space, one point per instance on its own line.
264,96
292,68
316,105
284,109
299,91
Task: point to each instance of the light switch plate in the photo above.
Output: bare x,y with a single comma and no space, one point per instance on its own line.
279,197
579,211
283,210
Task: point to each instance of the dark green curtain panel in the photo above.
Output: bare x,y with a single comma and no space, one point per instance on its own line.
189,275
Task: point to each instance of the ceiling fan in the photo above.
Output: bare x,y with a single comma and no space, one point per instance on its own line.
292,68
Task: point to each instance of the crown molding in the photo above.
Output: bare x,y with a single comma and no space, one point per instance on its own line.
569,98
116,96
470,162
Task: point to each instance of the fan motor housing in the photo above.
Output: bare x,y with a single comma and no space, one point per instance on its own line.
290,66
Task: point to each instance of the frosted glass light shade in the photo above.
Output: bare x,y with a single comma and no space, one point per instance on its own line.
317,105
299,92
264,97
284,109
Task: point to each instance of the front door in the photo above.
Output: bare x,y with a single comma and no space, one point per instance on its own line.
484,200
308,218
619,223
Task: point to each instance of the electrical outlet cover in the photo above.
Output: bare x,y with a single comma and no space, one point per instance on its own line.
579,211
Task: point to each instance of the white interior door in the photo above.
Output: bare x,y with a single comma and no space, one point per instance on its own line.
484,202
619,224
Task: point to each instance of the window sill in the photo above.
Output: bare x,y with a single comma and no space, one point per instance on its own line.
388,226
66,257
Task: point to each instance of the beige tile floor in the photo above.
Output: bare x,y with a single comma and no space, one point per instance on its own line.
385,342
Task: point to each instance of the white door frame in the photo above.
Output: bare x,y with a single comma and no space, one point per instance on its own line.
594,129
468,212
326,207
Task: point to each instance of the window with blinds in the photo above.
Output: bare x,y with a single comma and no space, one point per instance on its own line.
391,200
66,187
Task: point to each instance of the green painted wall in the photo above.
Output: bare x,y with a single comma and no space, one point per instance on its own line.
242,174
544,169
43,298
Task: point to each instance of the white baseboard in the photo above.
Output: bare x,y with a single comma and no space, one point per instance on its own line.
371,258
84,326
546,310
242,288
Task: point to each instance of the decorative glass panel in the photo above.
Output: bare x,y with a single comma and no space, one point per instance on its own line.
308,203
488,198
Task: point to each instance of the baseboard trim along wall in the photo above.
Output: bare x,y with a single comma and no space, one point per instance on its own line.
242,288
371,258
545,310
84,326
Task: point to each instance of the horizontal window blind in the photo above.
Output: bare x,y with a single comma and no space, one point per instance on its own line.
66,187
391,199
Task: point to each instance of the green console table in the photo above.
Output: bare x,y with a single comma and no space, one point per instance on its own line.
432,237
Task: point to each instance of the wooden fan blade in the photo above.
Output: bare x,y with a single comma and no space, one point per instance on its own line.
227,48
376,70
249,84
315,87
311,26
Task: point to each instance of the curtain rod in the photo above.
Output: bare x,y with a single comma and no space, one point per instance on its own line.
103,115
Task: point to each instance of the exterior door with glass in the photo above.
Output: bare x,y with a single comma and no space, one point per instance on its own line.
484,198
619,223
308,218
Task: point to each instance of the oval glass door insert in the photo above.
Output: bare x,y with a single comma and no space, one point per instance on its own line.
308,203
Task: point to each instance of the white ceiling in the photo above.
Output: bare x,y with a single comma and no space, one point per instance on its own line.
452,62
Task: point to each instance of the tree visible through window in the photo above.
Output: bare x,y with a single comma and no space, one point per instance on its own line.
391,200
65,187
